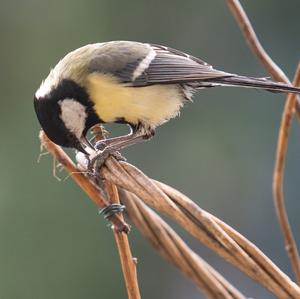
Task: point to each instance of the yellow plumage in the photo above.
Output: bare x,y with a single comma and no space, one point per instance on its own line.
150,105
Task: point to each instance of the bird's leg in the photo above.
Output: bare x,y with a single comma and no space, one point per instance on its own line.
102,144
138,134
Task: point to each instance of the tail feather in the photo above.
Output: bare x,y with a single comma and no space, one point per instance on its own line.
250,82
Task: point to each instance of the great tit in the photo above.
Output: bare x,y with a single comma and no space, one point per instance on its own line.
138,84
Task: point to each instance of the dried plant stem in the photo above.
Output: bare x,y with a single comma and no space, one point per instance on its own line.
84,183
203,226
128,263
278,179
255,45
292,105
252,262
173,249
119,226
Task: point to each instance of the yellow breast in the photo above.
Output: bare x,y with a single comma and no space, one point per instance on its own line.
150,105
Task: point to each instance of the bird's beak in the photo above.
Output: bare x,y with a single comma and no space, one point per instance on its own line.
86,146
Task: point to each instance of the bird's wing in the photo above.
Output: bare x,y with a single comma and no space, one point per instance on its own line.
139,64
173,66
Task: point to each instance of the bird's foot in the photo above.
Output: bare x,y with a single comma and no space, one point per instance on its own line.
98,159
101,145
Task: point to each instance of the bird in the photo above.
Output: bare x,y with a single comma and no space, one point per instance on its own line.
142,85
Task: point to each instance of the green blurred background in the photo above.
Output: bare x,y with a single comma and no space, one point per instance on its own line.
220,152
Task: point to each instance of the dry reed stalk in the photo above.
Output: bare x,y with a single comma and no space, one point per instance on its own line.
120,228
88,186
254,44
208,279
278,179
128,263
203,226
172,248
293,104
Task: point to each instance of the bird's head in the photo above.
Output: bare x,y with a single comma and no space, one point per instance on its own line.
65,113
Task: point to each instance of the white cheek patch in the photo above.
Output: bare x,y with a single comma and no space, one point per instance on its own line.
73,115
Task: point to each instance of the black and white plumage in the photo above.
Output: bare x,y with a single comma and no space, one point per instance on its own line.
143,85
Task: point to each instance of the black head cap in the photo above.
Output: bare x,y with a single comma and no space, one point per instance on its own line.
56,122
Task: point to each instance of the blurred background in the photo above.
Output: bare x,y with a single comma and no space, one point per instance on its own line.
220,152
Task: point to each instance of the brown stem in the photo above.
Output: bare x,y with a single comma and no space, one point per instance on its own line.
84,183
278,179
207,229
293,105
127,261
255,45
168,243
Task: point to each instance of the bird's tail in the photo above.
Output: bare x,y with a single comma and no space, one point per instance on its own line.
249,82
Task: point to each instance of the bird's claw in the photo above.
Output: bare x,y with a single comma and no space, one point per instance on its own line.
100,145
98,160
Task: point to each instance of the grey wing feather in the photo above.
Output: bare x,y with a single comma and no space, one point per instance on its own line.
173,66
